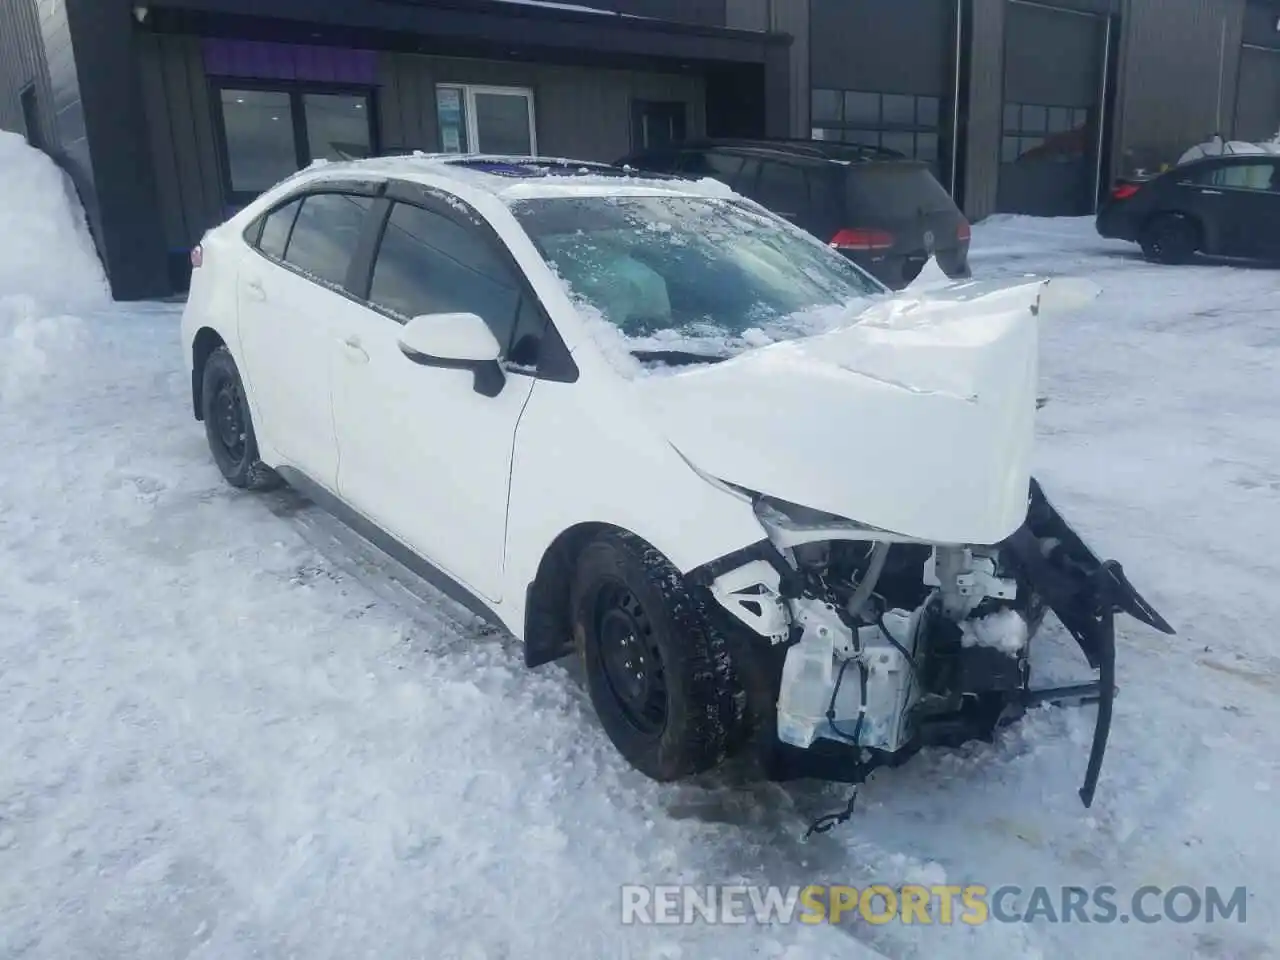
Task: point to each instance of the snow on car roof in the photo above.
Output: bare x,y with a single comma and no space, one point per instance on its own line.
523,178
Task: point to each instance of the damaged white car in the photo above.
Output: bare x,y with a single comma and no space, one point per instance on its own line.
770,506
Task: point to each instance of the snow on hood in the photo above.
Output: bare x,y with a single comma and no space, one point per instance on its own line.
918,418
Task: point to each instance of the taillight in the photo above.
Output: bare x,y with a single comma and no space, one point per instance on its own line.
964,233
1123,191
858,238
197,257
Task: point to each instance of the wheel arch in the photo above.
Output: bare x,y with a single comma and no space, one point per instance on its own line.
1195,221
205,342
548,632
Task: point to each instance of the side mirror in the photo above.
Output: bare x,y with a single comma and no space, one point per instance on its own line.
456,341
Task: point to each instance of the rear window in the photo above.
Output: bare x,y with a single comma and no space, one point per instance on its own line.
891,190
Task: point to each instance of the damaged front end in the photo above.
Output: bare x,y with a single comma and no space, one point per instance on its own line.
859,646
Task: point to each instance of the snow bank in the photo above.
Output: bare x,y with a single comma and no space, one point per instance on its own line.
49,269
46,251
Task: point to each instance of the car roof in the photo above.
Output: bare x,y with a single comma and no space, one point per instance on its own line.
512,178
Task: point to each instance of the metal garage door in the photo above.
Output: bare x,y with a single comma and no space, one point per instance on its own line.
1053,86
883,73
1258,99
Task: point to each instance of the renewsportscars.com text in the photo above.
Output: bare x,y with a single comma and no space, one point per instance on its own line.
971,905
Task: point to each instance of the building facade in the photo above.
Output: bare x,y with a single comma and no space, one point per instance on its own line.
170,114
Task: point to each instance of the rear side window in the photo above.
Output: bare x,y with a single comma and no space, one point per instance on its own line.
429,263
896,190
326,234
1243,176
276,229
782,187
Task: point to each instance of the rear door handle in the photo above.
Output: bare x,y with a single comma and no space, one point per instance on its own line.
354,351
255,290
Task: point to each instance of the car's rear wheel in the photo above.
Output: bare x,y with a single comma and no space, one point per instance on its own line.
229,427
659,676
1170,239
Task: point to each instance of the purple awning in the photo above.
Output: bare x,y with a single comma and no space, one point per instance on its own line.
285,61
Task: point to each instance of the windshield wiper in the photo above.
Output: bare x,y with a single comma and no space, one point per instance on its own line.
677,358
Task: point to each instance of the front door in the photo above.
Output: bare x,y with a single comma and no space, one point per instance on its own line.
423,454
289,323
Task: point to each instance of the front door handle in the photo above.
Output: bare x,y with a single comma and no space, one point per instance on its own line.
353,350
255,290
1212,193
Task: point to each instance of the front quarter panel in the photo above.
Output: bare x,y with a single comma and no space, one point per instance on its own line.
585,454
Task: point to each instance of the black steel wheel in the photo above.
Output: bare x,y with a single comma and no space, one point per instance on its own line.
229,426
1170,239
659,675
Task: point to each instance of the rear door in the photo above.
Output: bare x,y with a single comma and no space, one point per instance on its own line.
290,300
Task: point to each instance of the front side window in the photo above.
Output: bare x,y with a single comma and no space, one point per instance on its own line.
691,277
429,263
326,234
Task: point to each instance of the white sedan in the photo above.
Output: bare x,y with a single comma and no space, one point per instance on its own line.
647,420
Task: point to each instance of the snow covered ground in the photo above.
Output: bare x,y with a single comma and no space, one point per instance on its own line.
227,730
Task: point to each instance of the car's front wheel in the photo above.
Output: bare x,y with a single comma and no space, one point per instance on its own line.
1170,239
229,427
658,674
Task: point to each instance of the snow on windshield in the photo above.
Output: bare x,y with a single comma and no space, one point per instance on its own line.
663,280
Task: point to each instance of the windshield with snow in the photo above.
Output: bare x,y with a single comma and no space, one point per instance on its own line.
689,279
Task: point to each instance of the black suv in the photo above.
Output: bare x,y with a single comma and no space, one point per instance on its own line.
1227,206
886,213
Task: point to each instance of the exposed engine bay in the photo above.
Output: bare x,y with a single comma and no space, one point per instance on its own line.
878,645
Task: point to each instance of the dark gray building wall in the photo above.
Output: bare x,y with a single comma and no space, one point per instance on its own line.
22,64
793,17
984,108
1257,108
578,112
181,139
581,113
1179,64
130,238
36,48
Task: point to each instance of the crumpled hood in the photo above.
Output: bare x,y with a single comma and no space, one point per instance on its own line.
918,418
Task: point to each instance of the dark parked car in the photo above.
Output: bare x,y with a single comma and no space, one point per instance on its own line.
1224,206
886,213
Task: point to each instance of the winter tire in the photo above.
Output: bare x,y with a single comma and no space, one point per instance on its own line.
659,676
1169,239
229,427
